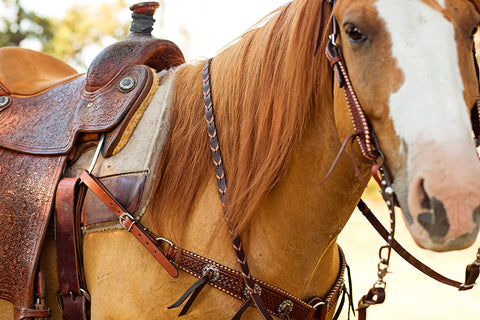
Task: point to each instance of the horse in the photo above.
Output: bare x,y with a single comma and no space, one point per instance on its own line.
281,121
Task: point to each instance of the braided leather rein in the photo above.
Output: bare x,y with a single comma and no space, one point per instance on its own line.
319,308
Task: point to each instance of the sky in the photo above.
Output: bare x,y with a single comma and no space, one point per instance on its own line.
210,24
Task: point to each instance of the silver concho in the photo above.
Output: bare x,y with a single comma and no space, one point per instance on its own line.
285,308
214,270
258,290
127,84
4,102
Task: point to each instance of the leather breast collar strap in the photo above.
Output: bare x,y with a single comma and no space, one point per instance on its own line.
277,301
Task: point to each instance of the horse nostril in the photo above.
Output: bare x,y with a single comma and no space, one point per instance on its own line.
476,215
436,223
425,203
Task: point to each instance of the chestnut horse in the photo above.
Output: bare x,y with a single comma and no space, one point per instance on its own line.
281,122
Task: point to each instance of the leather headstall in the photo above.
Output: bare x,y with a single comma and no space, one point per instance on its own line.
371,150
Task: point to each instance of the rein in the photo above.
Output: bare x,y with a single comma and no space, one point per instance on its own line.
371,150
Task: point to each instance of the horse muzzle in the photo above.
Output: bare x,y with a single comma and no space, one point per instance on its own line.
443,206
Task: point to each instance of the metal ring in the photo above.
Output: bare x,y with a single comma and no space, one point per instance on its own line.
165,240
319,304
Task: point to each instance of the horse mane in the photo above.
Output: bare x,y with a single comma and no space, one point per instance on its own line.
264,89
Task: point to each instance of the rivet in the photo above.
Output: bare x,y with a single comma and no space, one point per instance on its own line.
285,308
127,84
389,191
4,102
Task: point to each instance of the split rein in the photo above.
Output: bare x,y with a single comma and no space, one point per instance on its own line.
371,150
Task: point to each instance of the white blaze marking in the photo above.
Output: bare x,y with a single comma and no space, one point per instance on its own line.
442,3
430,103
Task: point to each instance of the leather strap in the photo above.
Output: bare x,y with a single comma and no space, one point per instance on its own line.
145,237
23,313
222,189
472,269
277,302
69,250
359,119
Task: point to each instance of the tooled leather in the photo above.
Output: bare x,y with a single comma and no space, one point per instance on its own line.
3,89
27,187
231,282
47,132
135,50
70,272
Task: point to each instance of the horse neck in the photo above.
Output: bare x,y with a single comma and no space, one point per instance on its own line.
296,228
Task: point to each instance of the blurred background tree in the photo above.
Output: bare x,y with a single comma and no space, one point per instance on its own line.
17,25
83,28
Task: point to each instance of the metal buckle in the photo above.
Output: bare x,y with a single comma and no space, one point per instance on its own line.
465,287
123,217
85,294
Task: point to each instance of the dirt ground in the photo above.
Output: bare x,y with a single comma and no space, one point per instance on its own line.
410,294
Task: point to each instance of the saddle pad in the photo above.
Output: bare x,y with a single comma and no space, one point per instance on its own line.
48,123
27,188
146,143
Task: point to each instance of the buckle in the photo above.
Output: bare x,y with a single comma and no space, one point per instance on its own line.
124,217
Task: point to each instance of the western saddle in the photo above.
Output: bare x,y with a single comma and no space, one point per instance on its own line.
49,115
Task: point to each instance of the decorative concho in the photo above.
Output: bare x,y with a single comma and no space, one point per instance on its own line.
4,102
127,84
214,270
285,308
258,290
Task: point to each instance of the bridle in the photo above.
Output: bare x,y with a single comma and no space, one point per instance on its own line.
268,299
371,150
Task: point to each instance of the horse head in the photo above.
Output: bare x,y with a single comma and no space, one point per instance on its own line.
412,67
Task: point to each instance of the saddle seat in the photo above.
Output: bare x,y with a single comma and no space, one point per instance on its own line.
25,72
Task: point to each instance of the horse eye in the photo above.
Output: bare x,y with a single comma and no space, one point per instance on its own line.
474,31
355,35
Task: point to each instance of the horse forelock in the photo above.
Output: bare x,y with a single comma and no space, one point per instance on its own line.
265,87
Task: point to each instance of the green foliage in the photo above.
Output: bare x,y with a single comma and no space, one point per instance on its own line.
87,25
20,25
83,26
